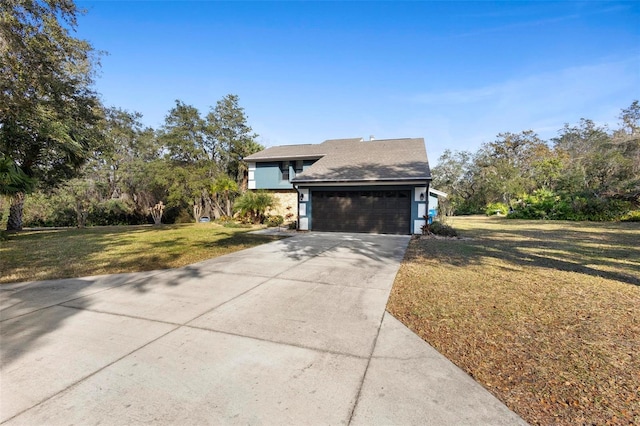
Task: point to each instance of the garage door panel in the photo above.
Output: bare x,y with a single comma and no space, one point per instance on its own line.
362,211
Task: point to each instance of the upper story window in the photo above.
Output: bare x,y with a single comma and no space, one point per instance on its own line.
284,170
299,166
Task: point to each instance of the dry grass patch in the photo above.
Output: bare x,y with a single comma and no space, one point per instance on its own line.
546,315
43,255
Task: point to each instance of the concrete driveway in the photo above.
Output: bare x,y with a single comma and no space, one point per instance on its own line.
291,332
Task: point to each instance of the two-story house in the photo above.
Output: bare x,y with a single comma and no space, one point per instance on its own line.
349,185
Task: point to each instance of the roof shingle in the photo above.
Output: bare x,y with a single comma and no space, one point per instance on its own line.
354,160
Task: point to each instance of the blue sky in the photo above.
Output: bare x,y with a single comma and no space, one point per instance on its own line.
455,73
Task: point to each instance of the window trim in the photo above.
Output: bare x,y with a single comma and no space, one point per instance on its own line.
284,171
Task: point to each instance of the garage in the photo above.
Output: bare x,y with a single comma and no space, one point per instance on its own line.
383,212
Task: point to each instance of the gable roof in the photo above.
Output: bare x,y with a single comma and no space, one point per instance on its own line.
356,160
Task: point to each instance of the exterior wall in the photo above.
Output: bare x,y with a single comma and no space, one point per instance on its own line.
418,205
433,207
267,175
285,199
419,209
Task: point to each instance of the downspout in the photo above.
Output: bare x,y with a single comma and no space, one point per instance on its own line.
297,206
427,200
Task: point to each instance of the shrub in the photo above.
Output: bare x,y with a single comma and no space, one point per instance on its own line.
275,220
293,225
544,204
253,205
632,216
496,209
439,228
182,216
114,212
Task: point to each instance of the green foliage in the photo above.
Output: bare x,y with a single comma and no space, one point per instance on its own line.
588,173
234,138
182,216
58,208
632,216
50,113
114,212
13,179
184,135
49,209
225,186
544,204
496,209
275,220
253,205
439,228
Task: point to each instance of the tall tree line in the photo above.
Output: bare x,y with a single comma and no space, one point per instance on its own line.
185,164
586,172
71,159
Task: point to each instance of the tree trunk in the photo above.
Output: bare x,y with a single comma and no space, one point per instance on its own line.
228,203
156,213
81,214
197,211
14,222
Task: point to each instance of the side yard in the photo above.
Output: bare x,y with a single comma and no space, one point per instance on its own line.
545,315
50,254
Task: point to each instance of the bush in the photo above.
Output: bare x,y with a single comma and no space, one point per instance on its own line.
544,204
114,212
293,225
253,205
632,216
496,209
439,228
276,220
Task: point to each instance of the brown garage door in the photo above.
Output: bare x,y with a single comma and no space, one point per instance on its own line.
384,212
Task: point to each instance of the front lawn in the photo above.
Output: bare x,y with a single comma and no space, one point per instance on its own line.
44,255
546,315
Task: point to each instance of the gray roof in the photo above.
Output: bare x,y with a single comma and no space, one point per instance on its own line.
292,152
356,160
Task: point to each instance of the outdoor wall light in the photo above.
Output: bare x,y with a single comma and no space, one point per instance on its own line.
301,197
422,196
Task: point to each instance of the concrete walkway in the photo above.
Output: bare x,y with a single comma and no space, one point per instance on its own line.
291,332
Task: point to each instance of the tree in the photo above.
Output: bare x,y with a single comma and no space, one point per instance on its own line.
254,205
225,186
48,110
232,136
589,160
12,178
189,161
626,140
14,183
454,175
508,165
183,135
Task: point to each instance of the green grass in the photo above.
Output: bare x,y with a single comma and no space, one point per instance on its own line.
43,255
546,315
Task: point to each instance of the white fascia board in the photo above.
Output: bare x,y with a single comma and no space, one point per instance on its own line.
438,193
362,183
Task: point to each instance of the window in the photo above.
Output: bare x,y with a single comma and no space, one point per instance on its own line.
299,166
284,170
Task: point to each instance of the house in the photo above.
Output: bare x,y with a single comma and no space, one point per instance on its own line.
348,185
